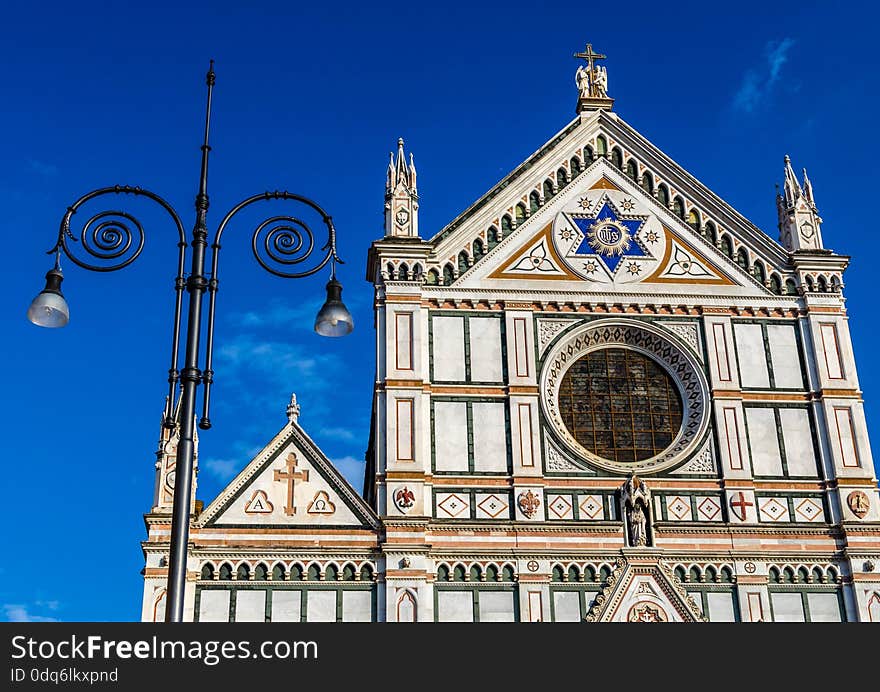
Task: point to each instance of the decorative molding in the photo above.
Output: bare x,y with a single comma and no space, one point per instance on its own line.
548,329
702,462
688,332
556,460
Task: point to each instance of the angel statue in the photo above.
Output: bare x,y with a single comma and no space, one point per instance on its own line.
600,81
582,79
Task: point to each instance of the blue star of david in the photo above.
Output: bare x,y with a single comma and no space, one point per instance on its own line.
611,259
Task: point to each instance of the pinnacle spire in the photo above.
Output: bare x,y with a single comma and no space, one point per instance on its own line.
401,196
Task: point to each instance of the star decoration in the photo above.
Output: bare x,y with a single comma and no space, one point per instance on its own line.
634,268
651,236
590,267
566,234
627,204
610,238
585,203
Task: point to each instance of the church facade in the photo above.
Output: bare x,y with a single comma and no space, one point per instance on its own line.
601,395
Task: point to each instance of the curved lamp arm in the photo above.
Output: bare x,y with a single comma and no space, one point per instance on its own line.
282,241
116,239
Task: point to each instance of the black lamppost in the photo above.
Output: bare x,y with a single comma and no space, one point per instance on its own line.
116,239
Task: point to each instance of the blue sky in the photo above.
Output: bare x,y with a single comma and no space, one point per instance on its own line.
310,97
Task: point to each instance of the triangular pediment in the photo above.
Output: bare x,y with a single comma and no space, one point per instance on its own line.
643,589
569,220
289,483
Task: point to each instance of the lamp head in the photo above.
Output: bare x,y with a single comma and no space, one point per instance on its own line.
333,318
49,309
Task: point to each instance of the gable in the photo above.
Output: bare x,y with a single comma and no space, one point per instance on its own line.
289,483
644,590
571,164
603,233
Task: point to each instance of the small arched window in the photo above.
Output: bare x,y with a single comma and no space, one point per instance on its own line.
561,179
492,237
519,213
462,262
243,573
742,258
491,573
534,201
711,233
225,572
632,170
278,572
433,277
366,573
589,155
478,249
694,220
348,572
403,272
417,272
507,573
296,573
727,246
261,572
790,287
331,573
663,195
758,272
314,572
648,182
773,575
811,286
678,207
448,275
389,268
476,573
835,284
458,573
442,573
207,571
601,145
548,190
822,284
573,574
680,574
557,574
775,285
506,225
694,575
617,158
575,165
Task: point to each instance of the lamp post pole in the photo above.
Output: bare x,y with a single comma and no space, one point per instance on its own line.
117,238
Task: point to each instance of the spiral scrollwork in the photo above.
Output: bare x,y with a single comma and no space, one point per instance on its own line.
114,238
283,241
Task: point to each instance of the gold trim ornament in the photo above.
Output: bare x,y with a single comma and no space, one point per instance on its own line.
609,237
859,504
528,503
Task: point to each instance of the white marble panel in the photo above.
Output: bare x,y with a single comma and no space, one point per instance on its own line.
320,606
455,606
496,606
448,348
751,356
824,607
450,435
485,345
566,606
720,606
787,607
490,438
763,442
784,356
797,437
250,605
357,606
286,605
214,605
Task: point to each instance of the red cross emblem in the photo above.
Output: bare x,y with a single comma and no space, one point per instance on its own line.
739,504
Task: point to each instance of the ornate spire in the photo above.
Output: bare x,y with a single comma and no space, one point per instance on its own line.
799,220
592,82
401,196
293,409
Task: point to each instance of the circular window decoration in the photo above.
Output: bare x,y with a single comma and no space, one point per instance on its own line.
624,396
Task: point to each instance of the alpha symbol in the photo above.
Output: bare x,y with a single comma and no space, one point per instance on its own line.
258,504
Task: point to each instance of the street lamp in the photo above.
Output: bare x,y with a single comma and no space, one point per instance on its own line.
116,238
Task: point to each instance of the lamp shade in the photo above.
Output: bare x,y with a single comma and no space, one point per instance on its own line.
333,318
49,309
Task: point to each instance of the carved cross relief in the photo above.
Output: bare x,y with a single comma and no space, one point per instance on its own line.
290,476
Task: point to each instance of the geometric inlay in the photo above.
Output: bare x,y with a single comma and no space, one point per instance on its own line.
493,505
708,508
452,504
591,507
608,238
258,504
771,509
560,506
809,510
678,507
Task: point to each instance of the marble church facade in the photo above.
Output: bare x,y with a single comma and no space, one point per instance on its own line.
601,394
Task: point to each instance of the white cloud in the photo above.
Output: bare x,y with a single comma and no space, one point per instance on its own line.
279,314
339,434
757,83
224,469
352,469
16,612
